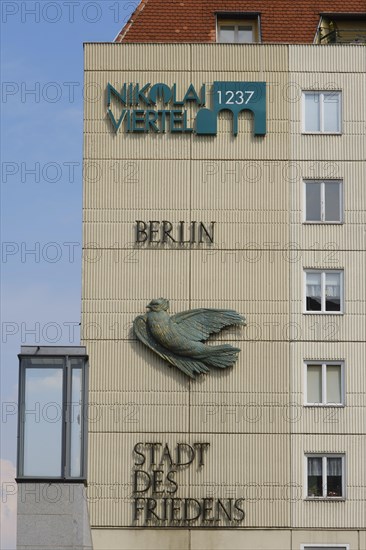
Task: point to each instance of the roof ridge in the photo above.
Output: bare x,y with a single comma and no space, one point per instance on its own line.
135,14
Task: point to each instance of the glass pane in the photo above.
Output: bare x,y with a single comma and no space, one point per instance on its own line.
76,422
315,485
313,292
245,34
334,477
332,201
332,292
334,381
312,113
331,112
227,34
314,383
313,201
43,421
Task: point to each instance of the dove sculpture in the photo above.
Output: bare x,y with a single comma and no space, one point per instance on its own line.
178,339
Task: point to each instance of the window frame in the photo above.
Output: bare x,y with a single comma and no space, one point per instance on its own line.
324,364
323,272
67,410
321,112
323,181
324,457
237,19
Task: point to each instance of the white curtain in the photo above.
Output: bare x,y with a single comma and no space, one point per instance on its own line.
334,466
315,466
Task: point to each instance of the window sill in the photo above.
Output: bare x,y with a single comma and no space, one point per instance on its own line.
318,222
325,405
322,133
325,499
328,313
58,480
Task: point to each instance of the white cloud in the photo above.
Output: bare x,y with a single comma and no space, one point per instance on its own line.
8,505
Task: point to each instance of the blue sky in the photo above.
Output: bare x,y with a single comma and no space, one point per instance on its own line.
41,185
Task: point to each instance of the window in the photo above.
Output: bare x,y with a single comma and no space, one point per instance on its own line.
239,30
323,201
324,383
341,29
325,476
52,424
322,112
324,291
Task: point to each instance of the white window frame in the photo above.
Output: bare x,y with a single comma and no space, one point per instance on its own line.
324,457
321,112
330,545
236,32
323,273
324,365
322,201
237,20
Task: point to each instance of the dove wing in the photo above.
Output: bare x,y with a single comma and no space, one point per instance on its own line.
190,367
198,324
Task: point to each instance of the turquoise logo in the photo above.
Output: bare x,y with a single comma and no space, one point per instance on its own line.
157,109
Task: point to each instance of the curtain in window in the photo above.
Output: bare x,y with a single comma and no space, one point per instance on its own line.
314,379
315,466
334,466
313,284
332,286
334,394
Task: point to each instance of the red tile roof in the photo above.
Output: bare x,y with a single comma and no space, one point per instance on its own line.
282,21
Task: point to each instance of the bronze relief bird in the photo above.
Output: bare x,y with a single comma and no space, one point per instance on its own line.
179,339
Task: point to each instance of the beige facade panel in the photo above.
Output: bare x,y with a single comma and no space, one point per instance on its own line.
326,537
263,280
138,146
137,57
245,239
310,327
362,539
110,369
329,239
352,86
348,513
143,411
327,147
241,412
155,539
336,59
260,189
239,58
95,91
100,324
157,273
351,353
229,147
258,361
263,485
274,539
122,186
347,419
216,539
329,420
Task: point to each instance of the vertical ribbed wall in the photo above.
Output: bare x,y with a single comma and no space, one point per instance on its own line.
253,415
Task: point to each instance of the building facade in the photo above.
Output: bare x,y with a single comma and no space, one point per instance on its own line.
227,175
